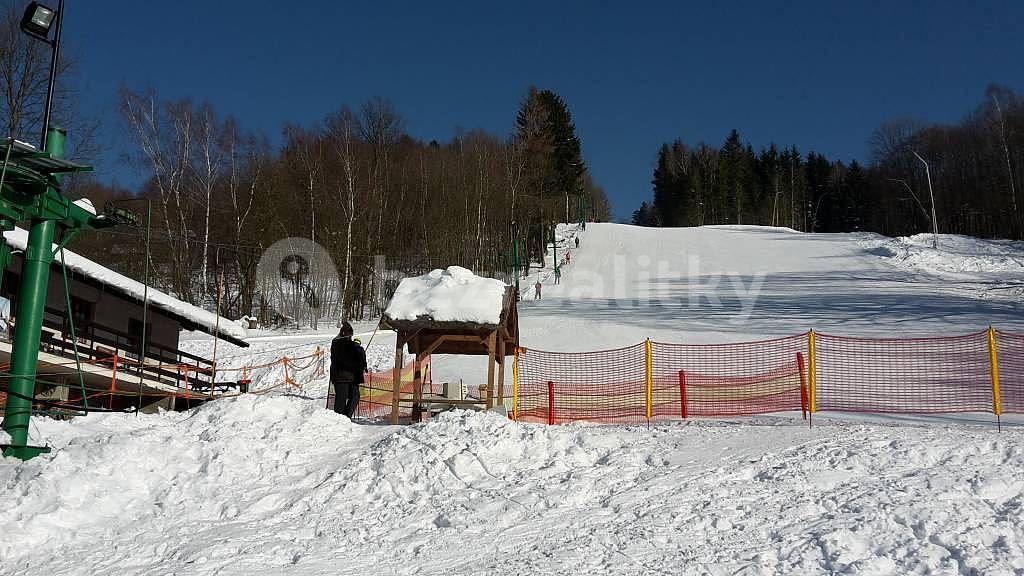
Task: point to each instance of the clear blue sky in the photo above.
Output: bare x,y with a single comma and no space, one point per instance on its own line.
814,74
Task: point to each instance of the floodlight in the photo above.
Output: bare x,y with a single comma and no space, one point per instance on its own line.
37,21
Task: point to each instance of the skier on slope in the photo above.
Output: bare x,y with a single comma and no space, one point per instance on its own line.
348,363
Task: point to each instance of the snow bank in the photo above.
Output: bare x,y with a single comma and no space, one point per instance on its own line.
264,485
955,254
17,239
452,295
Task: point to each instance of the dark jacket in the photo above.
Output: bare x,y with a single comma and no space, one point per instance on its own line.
348,361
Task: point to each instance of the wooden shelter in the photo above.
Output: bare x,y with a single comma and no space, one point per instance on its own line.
425,336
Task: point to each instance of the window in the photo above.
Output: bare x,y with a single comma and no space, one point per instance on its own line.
135,334
81,312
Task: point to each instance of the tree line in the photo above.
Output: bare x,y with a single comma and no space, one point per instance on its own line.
976,167
356,184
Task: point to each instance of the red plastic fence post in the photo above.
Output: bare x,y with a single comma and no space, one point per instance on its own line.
803,384
551,402
682,393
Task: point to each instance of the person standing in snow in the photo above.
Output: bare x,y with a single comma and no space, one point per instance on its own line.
568,257
536,290
577,242
348,363
558,275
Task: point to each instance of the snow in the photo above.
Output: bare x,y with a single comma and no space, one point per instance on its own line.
451,295
17,239
266,484
955,254
997,265
728,284
85,204
269,346
274,483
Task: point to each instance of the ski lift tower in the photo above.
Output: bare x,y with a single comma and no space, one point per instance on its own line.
30,191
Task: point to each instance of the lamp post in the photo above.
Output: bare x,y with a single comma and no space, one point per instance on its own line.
931,194
31,191
37,22
123,216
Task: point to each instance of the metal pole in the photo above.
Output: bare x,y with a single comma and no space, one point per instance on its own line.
32,302
554,246
931,194
145,305
54,57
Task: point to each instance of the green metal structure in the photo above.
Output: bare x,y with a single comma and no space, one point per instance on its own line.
30,190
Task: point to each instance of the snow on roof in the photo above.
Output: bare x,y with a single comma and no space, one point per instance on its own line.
452,295
17,239
86,205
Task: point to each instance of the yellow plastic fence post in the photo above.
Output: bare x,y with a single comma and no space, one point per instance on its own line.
515,384
649,369
812,371
993,358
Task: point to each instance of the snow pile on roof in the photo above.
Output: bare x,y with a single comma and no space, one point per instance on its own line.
85,204
268,485
17,239
452,295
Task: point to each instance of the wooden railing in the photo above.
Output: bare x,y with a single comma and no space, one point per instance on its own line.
97,344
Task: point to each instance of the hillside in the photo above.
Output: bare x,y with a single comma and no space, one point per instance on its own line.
275,484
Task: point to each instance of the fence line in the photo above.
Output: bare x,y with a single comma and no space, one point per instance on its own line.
377,391
806,373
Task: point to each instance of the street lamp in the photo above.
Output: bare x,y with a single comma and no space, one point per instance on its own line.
37,22
935,222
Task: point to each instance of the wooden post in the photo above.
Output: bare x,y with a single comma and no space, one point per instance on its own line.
501,372
417,384
551,402
803,384
396,384
113,385
683,409
491,345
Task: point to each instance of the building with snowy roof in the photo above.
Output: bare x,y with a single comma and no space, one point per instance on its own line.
107,314
453,311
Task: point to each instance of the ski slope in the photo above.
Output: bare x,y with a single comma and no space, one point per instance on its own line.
275,484
727,283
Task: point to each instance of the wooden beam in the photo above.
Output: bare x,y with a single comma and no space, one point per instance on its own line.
501,372
490,368
453,402
397,379
444,338
417,385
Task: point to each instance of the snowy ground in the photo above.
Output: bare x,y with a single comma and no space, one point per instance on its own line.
728,283
275,484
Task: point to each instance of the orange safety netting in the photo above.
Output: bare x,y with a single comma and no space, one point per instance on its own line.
906,376
1010,349
979,372
606,386
377,391
728,379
